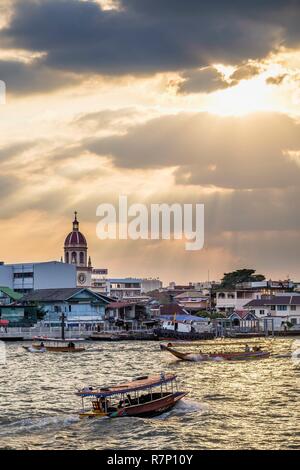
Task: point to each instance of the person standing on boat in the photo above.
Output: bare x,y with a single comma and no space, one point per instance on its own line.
247,349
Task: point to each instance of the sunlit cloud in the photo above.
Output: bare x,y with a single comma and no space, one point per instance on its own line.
160,113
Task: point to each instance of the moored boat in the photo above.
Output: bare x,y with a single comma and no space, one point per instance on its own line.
55,345
220,355
143,397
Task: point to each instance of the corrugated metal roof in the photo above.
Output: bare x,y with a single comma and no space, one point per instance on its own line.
120,304
11,293
171,309
276,300
193,294
59,295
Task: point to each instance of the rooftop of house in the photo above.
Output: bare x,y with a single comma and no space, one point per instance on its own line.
250,289
120,305
125,280
59,295
171,309
292,299
11,293
239,313
191,294
31,264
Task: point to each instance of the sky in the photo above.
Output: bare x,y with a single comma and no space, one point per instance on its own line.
164,101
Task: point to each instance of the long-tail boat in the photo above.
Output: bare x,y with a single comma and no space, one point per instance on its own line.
255,353
143,397
55,345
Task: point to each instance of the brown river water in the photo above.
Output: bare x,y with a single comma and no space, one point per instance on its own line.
230,405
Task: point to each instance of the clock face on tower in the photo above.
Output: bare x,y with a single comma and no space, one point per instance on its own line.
81,278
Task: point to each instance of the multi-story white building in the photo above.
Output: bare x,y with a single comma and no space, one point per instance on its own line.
150,284
229,300
25,277
99,280
126,289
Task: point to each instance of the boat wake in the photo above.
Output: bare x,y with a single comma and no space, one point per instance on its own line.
34,350
202,358
29,425
190,406
185,407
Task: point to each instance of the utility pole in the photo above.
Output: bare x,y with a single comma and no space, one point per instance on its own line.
210,291
63,326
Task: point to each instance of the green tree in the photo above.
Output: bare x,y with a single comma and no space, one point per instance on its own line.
210,315
241,275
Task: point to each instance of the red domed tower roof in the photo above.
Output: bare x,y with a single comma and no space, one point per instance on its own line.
75,237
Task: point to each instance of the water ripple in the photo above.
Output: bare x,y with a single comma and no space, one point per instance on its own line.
250,405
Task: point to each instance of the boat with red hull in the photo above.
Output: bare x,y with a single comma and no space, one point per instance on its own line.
226,356
137,398
55,345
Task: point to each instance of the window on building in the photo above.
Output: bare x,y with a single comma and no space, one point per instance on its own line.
281,308
294,321
74,257
273,307
23,275
70,308
293,307
81,257
261,312
221,295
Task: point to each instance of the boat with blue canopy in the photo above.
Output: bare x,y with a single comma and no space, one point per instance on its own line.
145,396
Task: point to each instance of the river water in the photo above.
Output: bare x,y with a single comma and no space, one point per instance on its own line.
230,405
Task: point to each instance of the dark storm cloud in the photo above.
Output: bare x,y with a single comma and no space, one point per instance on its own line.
209,79
228,152
204,80
245,72
25,78
149,36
